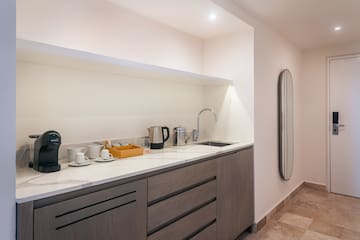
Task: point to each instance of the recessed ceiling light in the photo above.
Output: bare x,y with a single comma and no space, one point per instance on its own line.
212,17
337,28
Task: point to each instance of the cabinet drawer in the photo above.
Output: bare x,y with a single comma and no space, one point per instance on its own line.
92,200
96,215
208,233
109,225
168,183
172,208
188,225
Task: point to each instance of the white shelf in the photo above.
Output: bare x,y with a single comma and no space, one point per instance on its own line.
36,52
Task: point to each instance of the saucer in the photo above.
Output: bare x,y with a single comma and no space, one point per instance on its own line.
83,164
103,160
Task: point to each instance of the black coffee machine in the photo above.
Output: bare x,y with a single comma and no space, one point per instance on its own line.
46,151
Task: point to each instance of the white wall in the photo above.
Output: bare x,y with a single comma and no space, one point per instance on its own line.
231,57
7,119
272,54
105,28
123,106
315,109
89,106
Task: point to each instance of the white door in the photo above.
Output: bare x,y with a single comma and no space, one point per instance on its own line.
344,80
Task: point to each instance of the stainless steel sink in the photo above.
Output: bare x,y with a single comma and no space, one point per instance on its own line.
215,144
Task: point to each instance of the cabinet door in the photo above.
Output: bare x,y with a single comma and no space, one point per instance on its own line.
111,214
235,198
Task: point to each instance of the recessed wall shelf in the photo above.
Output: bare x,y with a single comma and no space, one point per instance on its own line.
41,53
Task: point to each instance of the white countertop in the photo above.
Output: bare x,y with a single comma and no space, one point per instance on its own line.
32,185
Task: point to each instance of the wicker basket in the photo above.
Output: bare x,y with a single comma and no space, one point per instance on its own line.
126,151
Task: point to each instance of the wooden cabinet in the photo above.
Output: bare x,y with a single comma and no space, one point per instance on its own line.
235,194
212,199
115,213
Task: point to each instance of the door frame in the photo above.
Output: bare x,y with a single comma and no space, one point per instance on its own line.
328,111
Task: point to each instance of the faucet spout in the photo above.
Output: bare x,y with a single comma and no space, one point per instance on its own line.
196,132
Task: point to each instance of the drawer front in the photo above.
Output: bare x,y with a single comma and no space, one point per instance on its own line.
208,233
106,225
185,227
95,216
78,215
171,209
89,201
166,184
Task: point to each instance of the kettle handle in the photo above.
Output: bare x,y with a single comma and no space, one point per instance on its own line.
167,133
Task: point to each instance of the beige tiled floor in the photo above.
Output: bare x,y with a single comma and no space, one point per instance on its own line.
314,215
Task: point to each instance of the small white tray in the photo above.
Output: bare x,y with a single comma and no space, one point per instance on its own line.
83,164
100,160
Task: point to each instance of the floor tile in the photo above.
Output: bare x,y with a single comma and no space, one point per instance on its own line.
340,201
346,218
280,231
349,235
296,220
310,235
303,208
313,215
325,228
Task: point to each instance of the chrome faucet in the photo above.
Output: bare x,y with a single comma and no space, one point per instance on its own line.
196,132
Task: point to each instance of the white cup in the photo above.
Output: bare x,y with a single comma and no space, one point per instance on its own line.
94,150
80,158
72,151
105,154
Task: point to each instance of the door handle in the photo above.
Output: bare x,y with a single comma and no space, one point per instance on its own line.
336,127
335,123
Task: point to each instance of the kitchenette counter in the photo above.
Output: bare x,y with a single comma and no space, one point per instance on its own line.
32,185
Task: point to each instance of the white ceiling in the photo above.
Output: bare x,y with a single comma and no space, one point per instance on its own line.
190,16
309,23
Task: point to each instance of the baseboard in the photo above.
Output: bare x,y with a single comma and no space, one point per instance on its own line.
260,224
316,186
